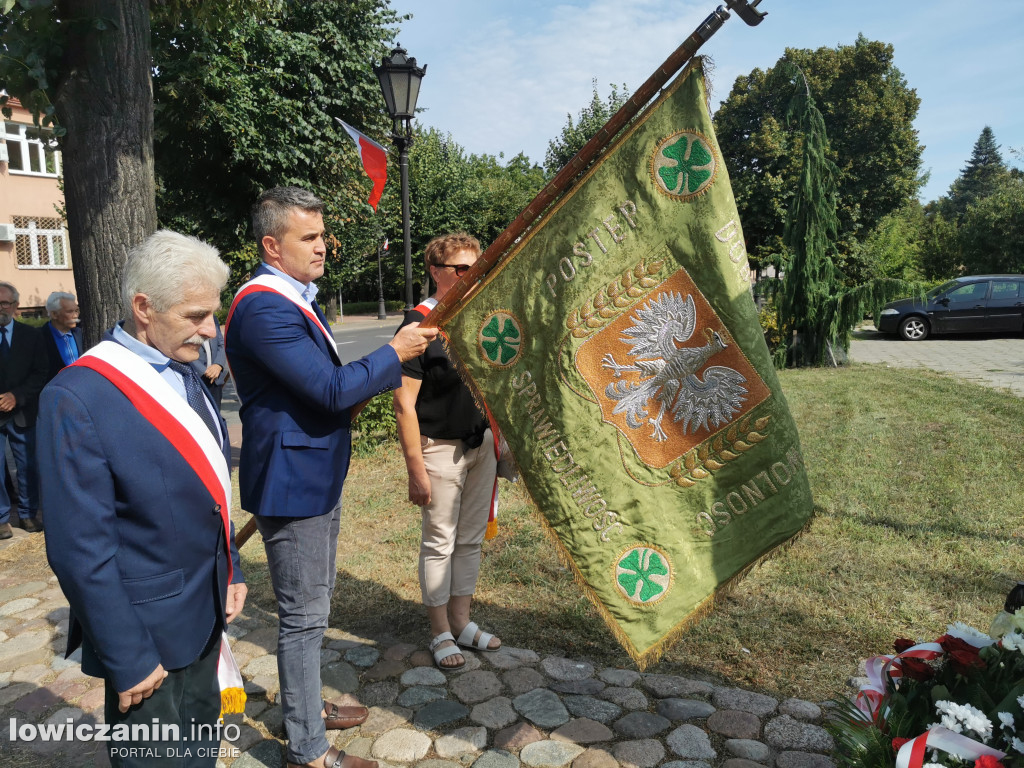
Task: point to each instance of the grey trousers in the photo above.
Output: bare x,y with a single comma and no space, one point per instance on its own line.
301,553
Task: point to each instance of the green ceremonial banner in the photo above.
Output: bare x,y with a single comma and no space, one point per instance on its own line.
618,349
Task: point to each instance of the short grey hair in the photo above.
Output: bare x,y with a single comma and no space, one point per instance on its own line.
54,299
14,291
166,266
271,211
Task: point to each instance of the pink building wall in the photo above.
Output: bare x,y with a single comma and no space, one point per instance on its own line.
30,195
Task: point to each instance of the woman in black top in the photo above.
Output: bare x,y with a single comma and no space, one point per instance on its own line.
450,457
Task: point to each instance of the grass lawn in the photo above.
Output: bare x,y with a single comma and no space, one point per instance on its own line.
918,500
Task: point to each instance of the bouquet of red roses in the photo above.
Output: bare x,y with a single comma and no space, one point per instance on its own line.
955,702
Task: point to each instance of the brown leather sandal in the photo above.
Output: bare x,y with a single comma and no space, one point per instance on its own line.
341,717
335,758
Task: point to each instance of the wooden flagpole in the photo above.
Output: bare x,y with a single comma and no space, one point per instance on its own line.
746,9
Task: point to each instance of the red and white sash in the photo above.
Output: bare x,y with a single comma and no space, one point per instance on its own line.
280,286
425,306
171,415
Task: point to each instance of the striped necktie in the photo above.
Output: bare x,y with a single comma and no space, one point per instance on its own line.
194,395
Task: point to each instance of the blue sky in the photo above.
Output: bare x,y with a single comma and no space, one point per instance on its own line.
502,76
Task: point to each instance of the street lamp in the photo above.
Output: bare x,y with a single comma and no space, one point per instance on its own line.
382,311
400,83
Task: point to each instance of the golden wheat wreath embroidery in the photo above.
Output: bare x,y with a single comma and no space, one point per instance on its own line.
643,574
712,455
614,299
684,165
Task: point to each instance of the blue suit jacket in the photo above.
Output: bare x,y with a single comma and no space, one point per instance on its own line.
296,405
134,537
53,358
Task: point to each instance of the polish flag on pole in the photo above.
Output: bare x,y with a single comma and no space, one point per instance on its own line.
374,158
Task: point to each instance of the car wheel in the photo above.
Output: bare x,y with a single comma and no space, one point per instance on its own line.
914,328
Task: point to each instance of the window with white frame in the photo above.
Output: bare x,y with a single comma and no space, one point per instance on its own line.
40,242
30,156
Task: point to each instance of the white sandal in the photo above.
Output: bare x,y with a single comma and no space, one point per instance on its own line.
483,644
444,653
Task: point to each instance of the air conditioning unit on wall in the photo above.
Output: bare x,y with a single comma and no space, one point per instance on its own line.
6,233
4,156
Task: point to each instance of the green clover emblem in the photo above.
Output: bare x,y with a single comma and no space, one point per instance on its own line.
643,574
684,164
500,339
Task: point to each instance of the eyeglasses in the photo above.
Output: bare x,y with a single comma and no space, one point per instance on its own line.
9,304
460,269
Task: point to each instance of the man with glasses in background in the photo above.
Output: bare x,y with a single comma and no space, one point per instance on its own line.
22,377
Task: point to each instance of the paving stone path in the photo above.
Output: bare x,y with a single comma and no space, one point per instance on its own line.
506,709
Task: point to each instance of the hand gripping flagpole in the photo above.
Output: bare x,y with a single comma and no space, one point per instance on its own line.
745,9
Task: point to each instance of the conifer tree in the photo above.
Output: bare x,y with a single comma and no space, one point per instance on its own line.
981,177
816,311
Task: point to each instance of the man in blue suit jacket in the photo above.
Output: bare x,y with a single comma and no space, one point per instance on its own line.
61,335
298,401
137,501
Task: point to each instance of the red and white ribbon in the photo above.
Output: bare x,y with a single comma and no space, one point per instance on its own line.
911,754
881,669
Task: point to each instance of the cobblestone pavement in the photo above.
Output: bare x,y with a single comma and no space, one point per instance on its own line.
990,360
505,709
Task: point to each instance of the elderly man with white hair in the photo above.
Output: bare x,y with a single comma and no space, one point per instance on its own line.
137,500
61,335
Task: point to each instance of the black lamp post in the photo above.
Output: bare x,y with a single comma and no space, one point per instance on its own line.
400,82
382,312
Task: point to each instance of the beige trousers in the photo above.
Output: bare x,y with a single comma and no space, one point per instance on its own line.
455,520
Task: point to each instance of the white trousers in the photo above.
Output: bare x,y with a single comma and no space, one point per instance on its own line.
455,520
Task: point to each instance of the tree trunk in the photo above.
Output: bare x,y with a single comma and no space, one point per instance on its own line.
106,104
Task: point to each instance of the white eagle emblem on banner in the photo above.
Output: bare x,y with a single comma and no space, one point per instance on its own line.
672,371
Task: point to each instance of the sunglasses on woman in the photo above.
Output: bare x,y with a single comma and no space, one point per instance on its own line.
460,269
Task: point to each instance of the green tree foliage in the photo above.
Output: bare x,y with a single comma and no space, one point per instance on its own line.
452,191
992,231
975,227
982,177
810,274
868,111
817,309
83,68
251,105
940,244
591,119
893,249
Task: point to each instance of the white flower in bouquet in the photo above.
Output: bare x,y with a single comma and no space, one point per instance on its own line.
964,717
1017,745
1014,641
969,634
1006,720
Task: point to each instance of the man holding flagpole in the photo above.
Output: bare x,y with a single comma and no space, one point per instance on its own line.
298,401
137,504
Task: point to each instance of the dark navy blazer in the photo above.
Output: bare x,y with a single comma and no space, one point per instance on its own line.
296,405
134,537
